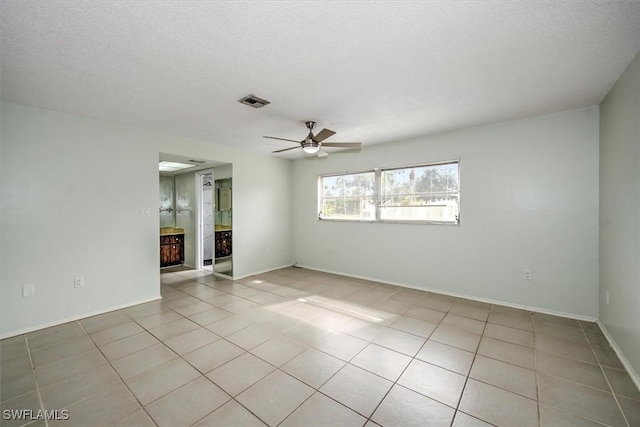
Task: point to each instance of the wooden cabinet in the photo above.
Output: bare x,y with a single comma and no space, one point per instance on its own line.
171,250
223,244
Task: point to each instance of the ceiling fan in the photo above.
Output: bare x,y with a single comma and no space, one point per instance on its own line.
313,144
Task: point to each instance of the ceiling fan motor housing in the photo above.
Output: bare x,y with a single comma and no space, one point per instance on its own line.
312,144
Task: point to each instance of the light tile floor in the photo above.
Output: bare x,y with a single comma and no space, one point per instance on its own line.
296,347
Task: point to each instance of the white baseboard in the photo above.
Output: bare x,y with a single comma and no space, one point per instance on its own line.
261,272
74,318
465,296
625,362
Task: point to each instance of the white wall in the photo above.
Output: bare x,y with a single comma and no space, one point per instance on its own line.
620,214
529,199
72,189
222,172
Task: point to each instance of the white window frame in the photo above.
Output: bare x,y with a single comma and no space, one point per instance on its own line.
377,198
321,196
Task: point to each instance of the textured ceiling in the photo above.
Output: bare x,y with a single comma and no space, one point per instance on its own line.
373,71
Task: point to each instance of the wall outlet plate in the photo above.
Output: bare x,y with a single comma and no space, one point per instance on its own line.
527,274
78,282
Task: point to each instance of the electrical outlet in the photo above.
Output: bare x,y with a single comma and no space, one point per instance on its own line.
527,274
78,282
28,290
144,212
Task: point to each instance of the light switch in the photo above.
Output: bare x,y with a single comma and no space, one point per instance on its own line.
28,290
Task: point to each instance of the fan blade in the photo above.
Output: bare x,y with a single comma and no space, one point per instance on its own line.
323,134
286,149
342,144
282,139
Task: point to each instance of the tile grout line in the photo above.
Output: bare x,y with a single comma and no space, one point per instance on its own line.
313,388
535,366
200,372
117,373
572,381
368,418
179,356
413,358
66,357
466,381
35,377
606,378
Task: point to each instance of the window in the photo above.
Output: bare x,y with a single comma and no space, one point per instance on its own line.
349,196
423,193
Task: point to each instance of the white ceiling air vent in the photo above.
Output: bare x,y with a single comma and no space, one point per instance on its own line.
254,101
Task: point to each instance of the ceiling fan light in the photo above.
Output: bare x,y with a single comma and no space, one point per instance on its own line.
311,149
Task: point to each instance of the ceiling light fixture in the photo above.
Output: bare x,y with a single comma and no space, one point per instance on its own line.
166,166
309,146
310,149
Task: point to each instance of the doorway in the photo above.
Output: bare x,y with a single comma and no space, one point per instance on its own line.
188,201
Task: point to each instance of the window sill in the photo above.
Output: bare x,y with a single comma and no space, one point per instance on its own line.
389,221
